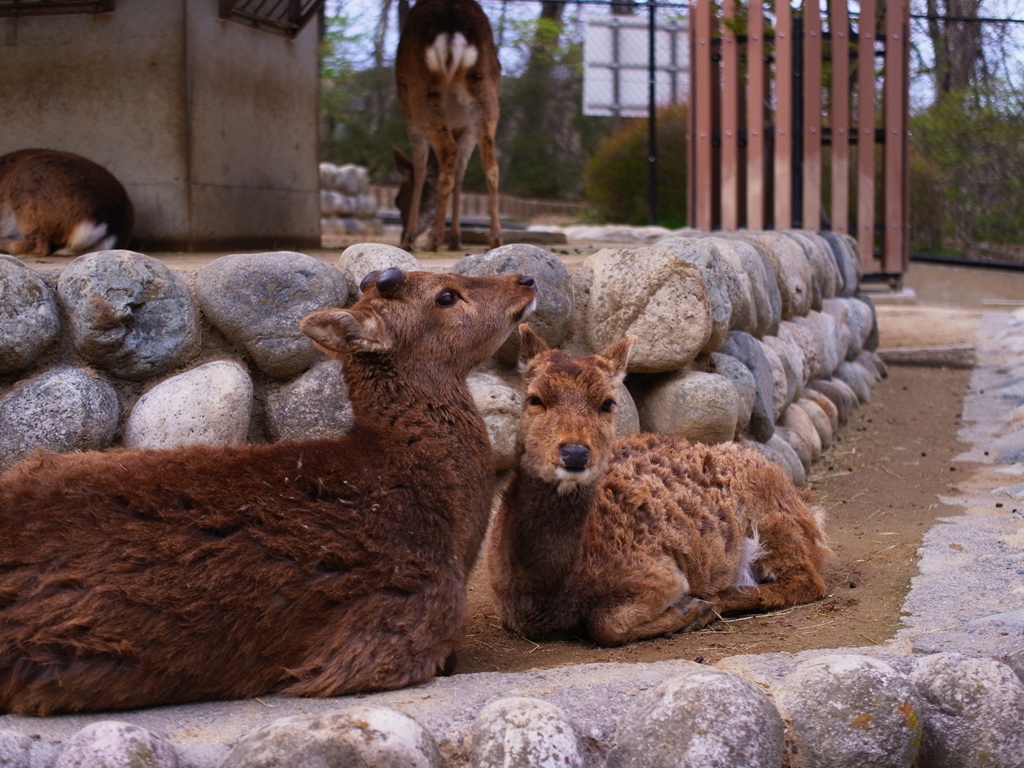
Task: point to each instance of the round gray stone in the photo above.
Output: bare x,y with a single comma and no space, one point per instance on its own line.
776,449
129,314
315,405
849,711
973,709
704,718
748,350
525,733
29,318
360,259
743,380
108,744
847,265
63,409
258,300
555,299
702,407
208,405
365,736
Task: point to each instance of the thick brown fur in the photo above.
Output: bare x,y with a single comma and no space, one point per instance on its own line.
449,78
631,538
316,568
59,202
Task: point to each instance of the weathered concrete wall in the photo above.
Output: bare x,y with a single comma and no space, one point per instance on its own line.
210,125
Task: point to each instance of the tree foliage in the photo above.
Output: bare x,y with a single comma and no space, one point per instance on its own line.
616,176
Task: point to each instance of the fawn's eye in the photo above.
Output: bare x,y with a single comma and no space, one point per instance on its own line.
607,406
534,400
447,297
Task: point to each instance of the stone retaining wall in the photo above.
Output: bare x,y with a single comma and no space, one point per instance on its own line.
761,337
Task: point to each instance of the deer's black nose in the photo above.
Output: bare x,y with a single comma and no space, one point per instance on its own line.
528,281
574,457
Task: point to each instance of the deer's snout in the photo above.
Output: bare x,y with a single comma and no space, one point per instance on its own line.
574,457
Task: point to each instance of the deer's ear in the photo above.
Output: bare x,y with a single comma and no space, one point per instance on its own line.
617,354
530,345
338,331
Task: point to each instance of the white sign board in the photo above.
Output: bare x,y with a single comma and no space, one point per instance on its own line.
616,64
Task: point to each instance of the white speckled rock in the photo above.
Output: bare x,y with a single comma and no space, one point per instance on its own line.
650,293
364,736
315,404
110,744
704,718
360,259
973,710
15,749
849,711
208,405
702,407
29,319
703,253
525,733
62,409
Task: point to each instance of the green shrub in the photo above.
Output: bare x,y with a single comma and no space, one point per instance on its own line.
616,175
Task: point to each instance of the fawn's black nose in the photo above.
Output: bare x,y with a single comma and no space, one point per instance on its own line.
528,281
574,457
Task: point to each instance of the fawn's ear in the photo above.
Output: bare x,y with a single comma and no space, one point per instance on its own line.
530,345
338,331
617,353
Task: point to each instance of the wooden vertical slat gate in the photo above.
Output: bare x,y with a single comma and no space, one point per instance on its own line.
772,143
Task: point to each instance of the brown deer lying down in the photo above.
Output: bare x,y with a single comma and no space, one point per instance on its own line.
645,535
58,202
316,568
448,77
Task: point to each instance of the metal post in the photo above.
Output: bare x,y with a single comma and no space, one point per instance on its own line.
652,128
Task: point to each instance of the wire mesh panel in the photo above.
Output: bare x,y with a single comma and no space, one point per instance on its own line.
773,96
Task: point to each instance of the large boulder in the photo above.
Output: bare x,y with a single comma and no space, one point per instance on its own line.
650,293
257,301
129,314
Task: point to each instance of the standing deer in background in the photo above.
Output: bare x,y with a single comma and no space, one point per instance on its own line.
631,538
59,202
448,78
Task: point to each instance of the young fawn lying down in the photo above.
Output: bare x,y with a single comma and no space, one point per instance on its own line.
59,202
314,567
630,538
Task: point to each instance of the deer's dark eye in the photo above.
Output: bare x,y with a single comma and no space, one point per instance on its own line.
534,400
447,297
607,406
